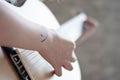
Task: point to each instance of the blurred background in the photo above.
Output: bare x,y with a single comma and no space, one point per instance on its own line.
99,55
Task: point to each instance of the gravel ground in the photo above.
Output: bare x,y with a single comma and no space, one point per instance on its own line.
99,55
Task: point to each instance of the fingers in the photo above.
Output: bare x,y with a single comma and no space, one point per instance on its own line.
58,70
64,57
70,56
67,65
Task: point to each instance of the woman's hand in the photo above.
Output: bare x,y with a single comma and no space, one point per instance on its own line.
58,52
22,33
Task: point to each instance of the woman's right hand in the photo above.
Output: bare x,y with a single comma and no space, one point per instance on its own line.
58,52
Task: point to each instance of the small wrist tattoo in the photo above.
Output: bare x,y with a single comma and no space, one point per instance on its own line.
44,34
43,37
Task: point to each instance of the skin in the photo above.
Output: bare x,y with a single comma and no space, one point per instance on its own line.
15,31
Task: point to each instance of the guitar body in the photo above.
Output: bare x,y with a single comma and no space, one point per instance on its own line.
36,66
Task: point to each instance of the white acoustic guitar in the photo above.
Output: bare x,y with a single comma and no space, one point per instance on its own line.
30,65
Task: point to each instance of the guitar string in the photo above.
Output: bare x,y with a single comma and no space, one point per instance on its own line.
26,54
27,51
33,72
35,64
21,50
36,72
35,60
28,68
35,57
32,57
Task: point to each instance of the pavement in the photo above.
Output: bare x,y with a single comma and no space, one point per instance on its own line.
99,55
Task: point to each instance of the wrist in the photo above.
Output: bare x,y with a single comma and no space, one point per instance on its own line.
48,41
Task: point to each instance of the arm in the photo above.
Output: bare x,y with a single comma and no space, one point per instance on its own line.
15,31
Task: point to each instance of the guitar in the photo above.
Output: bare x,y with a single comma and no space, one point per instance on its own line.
32,64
